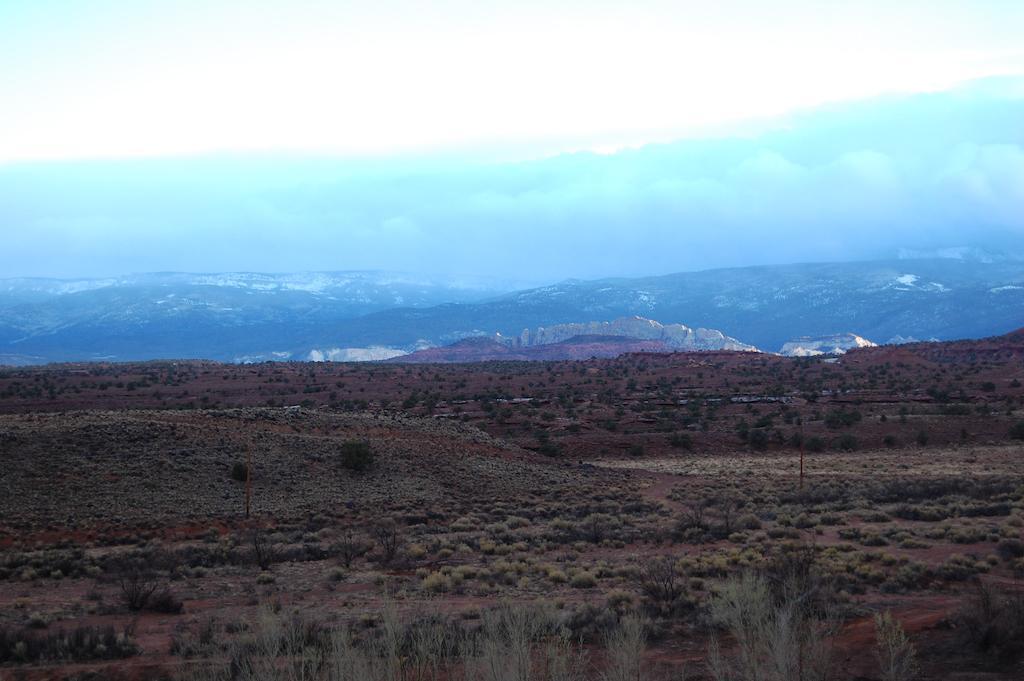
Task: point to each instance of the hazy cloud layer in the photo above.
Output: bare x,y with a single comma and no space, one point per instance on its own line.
850,182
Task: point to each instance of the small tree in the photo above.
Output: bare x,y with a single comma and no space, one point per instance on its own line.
264,551
596,526
727,505
350,547
389,538
137,587
356,455
662,585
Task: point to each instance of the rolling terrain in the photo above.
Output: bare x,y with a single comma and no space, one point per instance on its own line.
353,316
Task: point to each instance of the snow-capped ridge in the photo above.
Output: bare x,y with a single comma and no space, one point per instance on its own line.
833,344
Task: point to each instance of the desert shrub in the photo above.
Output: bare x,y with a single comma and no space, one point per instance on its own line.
845,443
985,510
663,587
349,547
916,512
141,589
583,580
681,441
437,582
548,447
840,418
910,577
815,444
357,455
263,550
197,641
79,644
758,438
389,539
958,568
590,622
239,471
748,521
137,587
1017,431
164,600
992,621
1010,548
873,539
597,526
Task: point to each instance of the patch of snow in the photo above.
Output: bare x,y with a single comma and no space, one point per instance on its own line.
912,282
373,353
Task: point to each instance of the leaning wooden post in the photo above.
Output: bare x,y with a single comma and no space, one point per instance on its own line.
248,480
801,455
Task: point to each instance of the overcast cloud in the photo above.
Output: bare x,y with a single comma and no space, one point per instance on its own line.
855,181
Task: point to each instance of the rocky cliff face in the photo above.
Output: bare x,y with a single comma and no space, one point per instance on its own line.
486,349
674,336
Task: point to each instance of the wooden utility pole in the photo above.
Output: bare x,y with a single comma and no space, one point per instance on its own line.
801,454
248,480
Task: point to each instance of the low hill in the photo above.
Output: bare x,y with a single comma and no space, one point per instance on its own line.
96,469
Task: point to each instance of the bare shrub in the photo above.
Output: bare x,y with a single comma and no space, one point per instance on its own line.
350,547
137,587
165,600
513,643
77,644
778,638
280,647
663,587
389,539
596,527
992,621
141,586
727,507
693,516
523,643
625,645
263,551
897,659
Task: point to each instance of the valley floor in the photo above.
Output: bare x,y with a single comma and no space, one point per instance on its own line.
581,502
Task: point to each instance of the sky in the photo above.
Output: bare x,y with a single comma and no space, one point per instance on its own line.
538,139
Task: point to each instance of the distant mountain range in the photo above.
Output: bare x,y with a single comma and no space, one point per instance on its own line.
361,315
216,316
765,306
